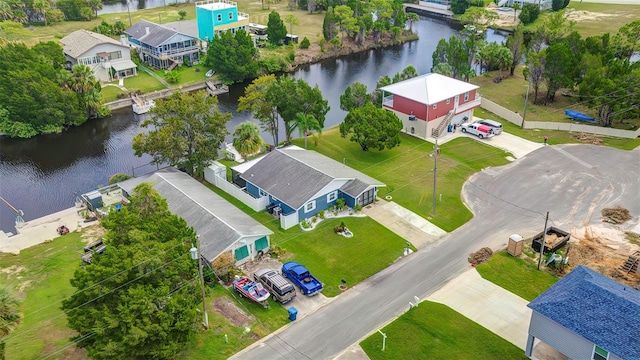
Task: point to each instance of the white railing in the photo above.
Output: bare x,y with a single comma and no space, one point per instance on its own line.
470,105
231,189
206,2
387,101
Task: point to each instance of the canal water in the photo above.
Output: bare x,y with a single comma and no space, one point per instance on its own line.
42,175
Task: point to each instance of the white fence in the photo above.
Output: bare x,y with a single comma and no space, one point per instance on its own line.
591,129
214,177
289,221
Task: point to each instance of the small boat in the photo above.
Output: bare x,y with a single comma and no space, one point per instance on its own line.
251,290
143,107
576,115
210,73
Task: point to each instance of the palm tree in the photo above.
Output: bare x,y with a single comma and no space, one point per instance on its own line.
305,123
82,82
5,10
246,139
95,6
42,6
412,18
9,316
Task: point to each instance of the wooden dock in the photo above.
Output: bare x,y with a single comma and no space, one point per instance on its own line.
215,89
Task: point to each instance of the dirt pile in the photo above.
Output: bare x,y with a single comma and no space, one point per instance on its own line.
615,215
480,256
588,138
603,250
225,307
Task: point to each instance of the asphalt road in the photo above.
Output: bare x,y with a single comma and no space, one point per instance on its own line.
573,182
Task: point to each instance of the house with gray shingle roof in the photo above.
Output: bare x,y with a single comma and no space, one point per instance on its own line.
300,183
222,226
108,58
162,47
588,316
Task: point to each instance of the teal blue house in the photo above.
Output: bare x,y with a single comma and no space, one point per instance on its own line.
215,16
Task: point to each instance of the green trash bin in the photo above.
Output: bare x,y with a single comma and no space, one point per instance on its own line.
293,313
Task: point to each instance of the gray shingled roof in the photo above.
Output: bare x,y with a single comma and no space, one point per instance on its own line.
294,175
189,27
157,36
81,41
354,188
218,222
601,310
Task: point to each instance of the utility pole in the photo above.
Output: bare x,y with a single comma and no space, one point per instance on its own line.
544,237
129,11
526,101
195,254
436,152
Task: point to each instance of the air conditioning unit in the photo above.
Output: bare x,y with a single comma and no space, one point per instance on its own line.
277,211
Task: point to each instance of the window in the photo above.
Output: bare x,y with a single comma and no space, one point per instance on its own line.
219,17
435,106
262,193
242,252
262,243
599,353
331,197
466,96
448,101
310,206
230,16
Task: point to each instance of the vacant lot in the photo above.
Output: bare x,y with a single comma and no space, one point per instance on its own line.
517,275
435,331
408,171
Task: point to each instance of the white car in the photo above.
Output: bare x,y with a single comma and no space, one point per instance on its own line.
479,130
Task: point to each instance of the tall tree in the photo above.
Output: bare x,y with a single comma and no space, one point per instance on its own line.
95,6
412,18
329,25
255,101
246,139
372,127
145,304
344,17
41,6
82,81
305,123
354,96
455,53
535,70
233,56
186,131
459,6
628,38
276,31
556,26
291,19
291,96
376,95
407,73
557,68
515,43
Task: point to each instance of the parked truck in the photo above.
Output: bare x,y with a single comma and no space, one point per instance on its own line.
302,278
554,240
479,130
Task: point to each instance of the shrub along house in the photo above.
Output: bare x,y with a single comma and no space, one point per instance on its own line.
222,227
427,104
107,58
162,47
588,316
300,183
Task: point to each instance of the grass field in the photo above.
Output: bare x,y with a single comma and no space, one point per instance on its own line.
407,171
110,93
40,276
555,137
143,82
516,275
435,331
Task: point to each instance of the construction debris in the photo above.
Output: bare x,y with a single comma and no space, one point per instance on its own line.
588,138
615,215
480,256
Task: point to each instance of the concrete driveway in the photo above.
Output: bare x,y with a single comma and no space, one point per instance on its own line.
574,184
498,310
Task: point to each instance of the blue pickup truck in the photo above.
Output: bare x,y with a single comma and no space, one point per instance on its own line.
302,278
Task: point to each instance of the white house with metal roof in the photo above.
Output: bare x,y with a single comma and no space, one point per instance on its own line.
163,47
222,227
300,183
427,104
109,59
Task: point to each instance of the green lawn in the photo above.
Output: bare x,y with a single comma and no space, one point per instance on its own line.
191,75
407,171
41,282
555,137
517,275
435,331
143,82
211,344
110,93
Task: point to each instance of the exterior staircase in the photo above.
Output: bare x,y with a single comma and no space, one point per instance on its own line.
631,265
443,125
